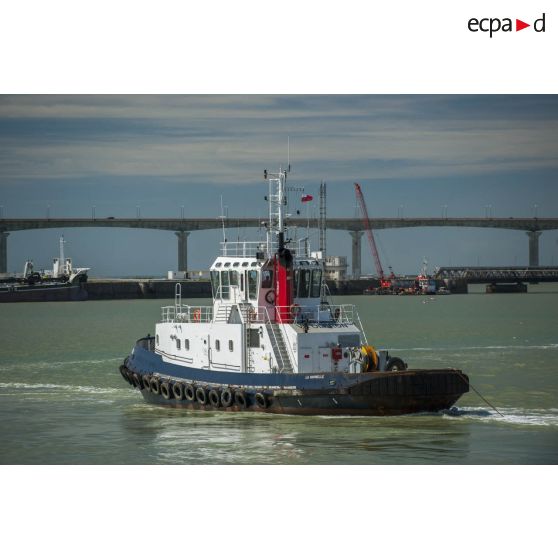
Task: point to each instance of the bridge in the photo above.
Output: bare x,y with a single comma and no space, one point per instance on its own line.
183,227
513,274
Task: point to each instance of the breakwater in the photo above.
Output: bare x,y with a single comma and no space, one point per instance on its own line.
115,289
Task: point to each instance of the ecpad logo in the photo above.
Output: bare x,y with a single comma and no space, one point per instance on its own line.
493,25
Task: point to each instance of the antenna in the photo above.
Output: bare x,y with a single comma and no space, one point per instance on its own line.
288,154
223,224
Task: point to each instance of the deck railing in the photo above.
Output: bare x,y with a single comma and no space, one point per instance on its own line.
311,315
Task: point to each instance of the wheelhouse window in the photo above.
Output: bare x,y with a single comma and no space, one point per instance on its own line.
231,345
316,283
253,284
217,345
225,284
267,278
215,283
234,278
304,281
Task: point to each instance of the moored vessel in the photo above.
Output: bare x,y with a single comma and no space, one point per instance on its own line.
273,341
63,282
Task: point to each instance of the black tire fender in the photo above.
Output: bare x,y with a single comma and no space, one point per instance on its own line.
227,397
214,398
190,392
166,390
155,386
240,399
395,364
201,396
261,400
178,391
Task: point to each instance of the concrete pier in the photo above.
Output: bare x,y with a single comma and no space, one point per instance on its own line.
182,250
534,248
4,251
356,253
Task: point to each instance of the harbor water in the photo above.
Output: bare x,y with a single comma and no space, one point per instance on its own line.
63,401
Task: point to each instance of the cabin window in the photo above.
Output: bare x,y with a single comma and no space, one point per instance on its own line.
253,284
244,264
187,344
218,264
316,283
217,345
178,343
234,278
267,278
227,264
231,345
224,284
236,264
304,278
215,283
242,281
157,338
254,264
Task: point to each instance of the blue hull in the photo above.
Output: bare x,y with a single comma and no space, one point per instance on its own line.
372,393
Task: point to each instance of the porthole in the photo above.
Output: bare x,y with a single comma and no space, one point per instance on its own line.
231,345
217,345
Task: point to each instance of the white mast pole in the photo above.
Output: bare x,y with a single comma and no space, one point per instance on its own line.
61,261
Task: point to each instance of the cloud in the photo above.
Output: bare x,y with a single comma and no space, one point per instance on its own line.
229,139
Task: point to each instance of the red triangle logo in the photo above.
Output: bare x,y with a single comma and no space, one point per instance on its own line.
519,25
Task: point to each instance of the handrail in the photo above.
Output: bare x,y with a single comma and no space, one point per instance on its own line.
323,313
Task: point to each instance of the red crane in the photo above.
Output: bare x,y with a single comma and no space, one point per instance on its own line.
384,283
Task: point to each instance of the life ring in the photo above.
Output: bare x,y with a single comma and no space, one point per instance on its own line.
270,297
227,397
214,398
155,386
201,396
261,400
190,392
197,315
166,391
178,391
295,311
240,399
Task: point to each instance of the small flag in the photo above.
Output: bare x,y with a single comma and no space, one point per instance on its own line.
306,198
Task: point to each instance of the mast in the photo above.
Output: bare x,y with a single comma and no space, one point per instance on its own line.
283,258
323,215
61,261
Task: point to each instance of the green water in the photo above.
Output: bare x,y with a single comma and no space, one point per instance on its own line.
62,399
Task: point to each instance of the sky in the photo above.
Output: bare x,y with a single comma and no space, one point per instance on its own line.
412,154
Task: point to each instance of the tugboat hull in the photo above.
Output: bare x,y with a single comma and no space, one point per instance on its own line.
365,394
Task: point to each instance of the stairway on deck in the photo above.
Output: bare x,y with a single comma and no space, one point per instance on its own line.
279,347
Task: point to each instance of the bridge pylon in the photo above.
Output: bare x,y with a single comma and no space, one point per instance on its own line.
182,251
534,248
4,251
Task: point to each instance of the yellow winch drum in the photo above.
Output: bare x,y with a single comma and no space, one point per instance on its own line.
369,358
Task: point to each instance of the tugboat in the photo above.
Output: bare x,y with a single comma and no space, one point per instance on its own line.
272,342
